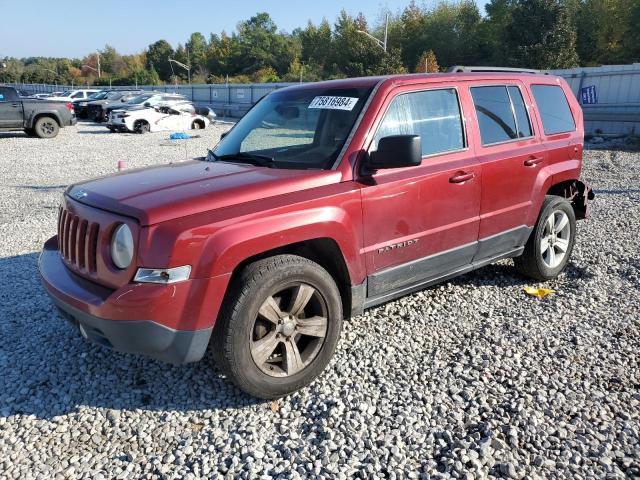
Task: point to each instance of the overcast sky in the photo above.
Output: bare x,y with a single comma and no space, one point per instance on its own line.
72,29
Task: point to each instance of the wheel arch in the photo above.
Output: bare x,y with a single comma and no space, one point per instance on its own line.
324,251
577,192
51,115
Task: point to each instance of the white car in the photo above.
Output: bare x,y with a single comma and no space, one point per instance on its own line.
178,116
71,95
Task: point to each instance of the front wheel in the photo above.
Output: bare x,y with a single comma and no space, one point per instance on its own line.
549,247
279,327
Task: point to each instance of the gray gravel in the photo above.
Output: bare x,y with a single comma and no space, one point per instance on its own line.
468,379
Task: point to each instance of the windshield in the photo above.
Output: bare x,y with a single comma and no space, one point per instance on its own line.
299,129
140,99
114,95
66,93
98,95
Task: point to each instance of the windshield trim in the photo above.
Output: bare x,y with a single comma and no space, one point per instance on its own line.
356,125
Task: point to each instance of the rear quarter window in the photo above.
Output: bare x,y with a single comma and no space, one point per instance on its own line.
554,109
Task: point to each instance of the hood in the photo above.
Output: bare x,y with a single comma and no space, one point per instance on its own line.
161,193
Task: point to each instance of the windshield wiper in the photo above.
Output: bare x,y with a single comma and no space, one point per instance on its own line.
252,158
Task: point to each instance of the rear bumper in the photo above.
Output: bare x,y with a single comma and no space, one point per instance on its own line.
172,323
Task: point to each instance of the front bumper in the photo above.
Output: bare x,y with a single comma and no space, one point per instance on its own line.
139,318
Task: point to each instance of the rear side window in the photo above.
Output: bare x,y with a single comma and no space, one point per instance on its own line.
432,114
554,109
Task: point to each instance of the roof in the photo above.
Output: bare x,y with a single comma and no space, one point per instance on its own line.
423,77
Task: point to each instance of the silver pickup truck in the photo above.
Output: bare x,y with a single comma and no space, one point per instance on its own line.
40,117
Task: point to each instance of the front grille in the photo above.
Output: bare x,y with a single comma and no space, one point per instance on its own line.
78,240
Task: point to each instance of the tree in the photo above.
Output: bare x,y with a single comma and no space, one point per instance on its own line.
197,48
427,63
158,55
540,35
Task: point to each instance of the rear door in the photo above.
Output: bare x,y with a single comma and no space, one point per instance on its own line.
421,222
11,114
511,154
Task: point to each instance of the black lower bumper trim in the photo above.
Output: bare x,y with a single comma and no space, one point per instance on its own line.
143,337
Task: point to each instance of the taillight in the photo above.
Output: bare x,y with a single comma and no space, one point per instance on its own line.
70,107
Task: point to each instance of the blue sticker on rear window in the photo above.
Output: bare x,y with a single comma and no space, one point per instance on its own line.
1,96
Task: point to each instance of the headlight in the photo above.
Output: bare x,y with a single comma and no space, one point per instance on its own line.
122,246
163,275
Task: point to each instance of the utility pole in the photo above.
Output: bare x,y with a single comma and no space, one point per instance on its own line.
99,72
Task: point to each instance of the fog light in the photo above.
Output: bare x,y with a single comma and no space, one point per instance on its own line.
163,275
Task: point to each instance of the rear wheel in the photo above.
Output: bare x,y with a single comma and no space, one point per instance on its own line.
46,127
196,125
549,247
141,126
279,327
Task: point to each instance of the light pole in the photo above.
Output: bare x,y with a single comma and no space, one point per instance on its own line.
382,44
180,64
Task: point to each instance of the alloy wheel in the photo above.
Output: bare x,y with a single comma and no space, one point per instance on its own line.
289,330
555,238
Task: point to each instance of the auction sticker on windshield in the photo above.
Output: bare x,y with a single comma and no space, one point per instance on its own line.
334,103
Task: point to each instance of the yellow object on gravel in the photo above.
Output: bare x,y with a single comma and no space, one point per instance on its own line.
538,292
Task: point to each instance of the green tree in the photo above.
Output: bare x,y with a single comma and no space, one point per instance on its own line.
540,35
197,48
158,55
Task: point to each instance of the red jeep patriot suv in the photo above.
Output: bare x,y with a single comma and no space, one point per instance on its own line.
325,199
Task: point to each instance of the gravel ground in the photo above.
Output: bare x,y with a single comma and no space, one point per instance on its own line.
468,379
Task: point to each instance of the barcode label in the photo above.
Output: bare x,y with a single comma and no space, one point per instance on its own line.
334,103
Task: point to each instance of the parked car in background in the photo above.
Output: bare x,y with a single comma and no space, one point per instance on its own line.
24,93
96,109
324,199
144,100
80,105
41,95
71,95
40,117
178,116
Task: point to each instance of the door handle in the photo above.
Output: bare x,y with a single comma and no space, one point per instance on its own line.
533,161
462,177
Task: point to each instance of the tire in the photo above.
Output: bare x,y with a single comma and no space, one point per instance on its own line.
196,126
243,337
141,126
46,127
112,129
542,263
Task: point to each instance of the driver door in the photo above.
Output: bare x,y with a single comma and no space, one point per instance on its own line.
421,223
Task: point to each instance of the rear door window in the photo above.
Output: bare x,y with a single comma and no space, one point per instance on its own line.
554,109
432,114
495,117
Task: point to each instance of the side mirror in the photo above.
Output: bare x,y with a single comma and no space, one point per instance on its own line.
224,135
396,151
147,104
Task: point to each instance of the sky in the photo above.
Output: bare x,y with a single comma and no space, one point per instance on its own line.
74,29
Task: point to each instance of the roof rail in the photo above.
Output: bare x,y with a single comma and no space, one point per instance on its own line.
466,69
